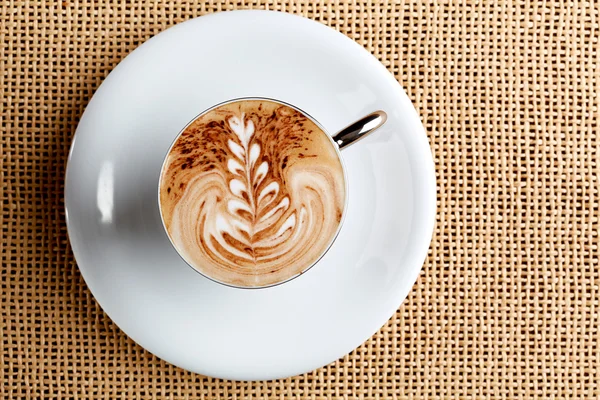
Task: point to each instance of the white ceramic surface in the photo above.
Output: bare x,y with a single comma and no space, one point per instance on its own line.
115,227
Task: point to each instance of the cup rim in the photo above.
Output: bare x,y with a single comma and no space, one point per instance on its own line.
344,174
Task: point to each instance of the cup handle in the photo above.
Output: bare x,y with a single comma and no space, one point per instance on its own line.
360,129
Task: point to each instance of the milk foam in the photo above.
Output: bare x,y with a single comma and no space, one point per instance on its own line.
252,193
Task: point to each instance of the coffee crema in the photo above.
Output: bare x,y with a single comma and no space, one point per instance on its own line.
252,193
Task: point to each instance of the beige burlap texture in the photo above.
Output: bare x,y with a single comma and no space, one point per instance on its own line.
507,304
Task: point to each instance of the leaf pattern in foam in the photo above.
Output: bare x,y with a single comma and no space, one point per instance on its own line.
250,203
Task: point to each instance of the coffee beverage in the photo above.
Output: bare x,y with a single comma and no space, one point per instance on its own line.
252,193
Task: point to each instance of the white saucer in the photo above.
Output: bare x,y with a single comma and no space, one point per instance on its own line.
126,258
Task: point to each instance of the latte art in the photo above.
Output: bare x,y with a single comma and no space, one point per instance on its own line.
252,193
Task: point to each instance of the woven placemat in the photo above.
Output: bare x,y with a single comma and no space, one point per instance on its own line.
507,304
